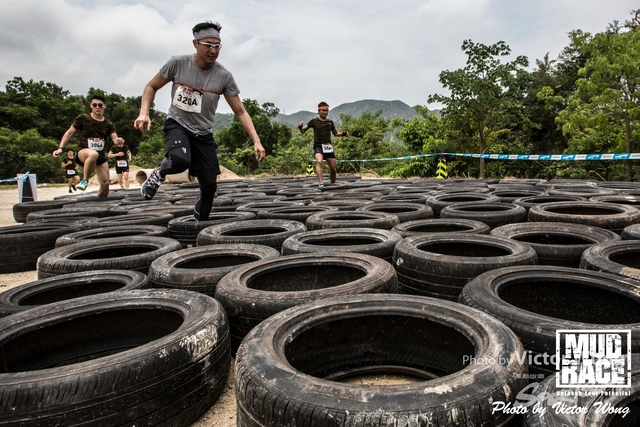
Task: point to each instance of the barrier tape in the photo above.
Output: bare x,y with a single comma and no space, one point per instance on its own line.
540,157
15,178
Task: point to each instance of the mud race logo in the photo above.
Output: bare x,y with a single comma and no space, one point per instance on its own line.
593,358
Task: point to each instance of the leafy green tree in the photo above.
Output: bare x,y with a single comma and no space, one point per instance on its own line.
46,107
234,142
604,113
485,95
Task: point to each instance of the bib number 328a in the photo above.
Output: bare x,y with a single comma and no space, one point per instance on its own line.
187,99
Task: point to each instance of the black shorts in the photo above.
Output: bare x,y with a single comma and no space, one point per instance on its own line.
101,160
119,170
70,173
317,149
199,151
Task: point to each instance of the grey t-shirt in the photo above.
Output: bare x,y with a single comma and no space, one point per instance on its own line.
195,92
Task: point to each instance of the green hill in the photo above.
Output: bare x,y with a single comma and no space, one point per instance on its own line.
390,110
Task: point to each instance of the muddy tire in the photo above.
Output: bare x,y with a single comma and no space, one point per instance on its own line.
404,211
21,210
256,291
352,219
86,361
69,213
535,301
440,265
185,229
68,286
556,243
492,214
368,241
111,232
23,244
438,202
133,253
267,232
289,368
441,225
631,232
294,213
131,220
597,214
621,258
200,269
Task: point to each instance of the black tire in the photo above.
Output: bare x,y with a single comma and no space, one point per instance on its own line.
595,405
68,286
111,232
404,211
200,269
441,201
528,202
255,207
352,219
535,301
294,213
133,253
368,241
598,214
622,258
69,213
509,195
123,358
631,232
131,220
492,214
256,291
342,205
556,243
403,198
23,244
21,210
620,199
176,210
185,229
441,225
289,368
268,232
434,261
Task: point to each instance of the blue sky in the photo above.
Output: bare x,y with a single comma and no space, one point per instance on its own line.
291,53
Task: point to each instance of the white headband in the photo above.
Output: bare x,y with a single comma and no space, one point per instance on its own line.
207,32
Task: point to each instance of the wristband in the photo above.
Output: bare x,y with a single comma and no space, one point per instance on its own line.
344,133
61,148
300,127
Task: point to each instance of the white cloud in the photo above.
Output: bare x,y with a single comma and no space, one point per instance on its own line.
291,53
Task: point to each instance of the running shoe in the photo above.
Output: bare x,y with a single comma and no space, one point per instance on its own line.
321,185
70,191
74,187
83,185
151,185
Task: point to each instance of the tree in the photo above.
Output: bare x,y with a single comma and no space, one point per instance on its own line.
45,107
603,114
485,95
234,142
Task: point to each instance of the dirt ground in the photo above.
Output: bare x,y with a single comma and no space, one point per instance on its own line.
222,413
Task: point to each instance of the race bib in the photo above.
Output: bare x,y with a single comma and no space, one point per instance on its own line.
188,99
96,144
327,148
121,163
71,172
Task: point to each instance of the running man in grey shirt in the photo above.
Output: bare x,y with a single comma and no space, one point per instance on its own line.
198,81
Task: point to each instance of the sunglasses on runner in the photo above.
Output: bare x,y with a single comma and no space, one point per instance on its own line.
97,105
210,46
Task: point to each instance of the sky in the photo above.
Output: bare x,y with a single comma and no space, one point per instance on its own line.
291,53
